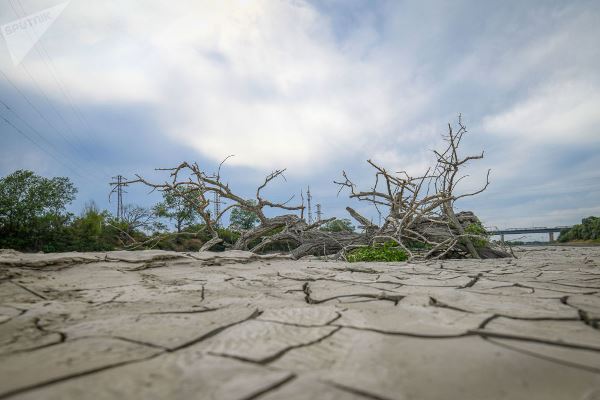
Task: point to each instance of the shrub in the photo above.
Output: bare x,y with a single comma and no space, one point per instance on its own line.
480,236
338,225
415,245
382,252
589,229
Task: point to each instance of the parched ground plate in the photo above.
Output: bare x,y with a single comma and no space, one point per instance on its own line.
158,325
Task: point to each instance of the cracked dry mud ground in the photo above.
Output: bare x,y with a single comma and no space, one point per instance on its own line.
156,325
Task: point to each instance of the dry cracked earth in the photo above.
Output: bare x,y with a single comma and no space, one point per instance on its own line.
158,325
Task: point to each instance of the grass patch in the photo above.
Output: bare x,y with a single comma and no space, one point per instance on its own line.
382,252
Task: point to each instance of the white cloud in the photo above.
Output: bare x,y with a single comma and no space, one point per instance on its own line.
320,89
561,112
266,81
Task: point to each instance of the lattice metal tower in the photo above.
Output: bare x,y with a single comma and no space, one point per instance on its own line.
309,200
118,188
217,205
319,213
217,208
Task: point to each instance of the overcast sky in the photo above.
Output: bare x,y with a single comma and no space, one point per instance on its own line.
317,87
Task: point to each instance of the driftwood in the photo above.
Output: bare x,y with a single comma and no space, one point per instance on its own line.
420,210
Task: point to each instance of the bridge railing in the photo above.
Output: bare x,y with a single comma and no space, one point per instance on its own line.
527,231
542,229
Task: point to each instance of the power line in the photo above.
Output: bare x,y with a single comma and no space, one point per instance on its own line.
35,108
48,61
30,103
78,149
39,135
39,146
57,112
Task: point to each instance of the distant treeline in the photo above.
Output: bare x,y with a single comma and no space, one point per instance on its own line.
34,217
589,229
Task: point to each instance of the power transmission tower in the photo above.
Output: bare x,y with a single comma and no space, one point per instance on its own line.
118,188
217,202
217,206
319,213
309,199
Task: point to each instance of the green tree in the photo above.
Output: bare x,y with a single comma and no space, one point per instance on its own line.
25,196
32,209
90,232
338,225
179,206
241,219
589,229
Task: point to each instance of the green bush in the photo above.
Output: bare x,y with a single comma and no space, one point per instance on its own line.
589,229
382,252
415,245
480,236
243,219
338,225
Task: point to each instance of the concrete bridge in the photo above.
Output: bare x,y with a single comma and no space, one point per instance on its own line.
522,231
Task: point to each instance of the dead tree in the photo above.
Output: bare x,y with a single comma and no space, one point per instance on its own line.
420,210
198,187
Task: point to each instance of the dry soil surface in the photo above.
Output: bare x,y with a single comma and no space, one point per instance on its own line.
159,325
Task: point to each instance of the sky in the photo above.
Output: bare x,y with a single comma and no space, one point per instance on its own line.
317,87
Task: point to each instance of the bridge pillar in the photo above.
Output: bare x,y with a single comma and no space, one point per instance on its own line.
551,236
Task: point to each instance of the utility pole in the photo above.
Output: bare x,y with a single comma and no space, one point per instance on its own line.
309,199
118,188
319,213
